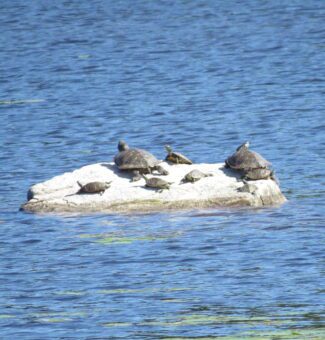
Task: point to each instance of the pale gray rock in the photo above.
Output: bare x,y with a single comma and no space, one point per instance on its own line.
59,194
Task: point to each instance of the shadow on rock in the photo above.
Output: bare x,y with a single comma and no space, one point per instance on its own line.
232,173
121,173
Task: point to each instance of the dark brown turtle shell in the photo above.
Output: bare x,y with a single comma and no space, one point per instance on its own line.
156,183
133,159
256,174
176,157
245,159
93,187
194,176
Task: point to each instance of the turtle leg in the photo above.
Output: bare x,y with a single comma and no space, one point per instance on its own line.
274,177
245,176
161,170
136,176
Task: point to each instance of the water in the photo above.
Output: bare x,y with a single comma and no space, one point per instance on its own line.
203,76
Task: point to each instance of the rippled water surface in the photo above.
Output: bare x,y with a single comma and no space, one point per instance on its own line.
203,76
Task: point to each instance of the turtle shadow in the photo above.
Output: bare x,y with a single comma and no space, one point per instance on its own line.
156,190
117,171
232,173
123,173
82,193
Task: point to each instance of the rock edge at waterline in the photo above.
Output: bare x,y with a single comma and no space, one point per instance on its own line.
59,193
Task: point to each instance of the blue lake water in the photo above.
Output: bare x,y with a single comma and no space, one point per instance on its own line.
203,76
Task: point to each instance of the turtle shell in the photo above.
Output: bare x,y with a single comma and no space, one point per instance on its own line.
135,159
176,157
94,187
245,159
158,183
194,176
256,174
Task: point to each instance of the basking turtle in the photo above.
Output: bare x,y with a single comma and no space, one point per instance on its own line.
248,187
262,173
194,176
94,187
137,161
176,157
251,163
157,183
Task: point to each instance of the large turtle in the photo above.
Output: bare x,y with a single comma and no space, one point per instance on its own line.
194,176
137,161
176,157
250,163
156,183
93,187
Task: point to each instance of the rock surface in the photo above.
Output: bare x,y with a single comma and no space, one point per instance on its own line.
59,193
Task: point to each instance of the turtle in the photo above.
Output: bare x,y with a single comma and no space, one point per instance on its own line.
137,161
250,163
156,183
248,187
194,176
261,173
176,157
93,187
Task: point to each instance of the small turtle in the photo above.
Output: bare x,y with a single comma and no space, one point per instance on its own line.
176,157
94,187
157,183
255,174
248,187
251,163
137,161
194,176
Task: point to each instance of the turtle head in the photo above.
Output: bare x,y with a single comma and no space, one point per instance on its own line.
122,146
243,146
168,148
144,177
108,184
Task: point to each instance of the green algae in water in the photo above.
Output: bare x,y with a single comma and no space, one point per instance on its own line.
117,324
109,223
110,240
71,292
22,101
143,290
292,334
201,319
7,316
50,315
175,289
172,300
54,320
127,291
289,334
117,238
84,56
86,152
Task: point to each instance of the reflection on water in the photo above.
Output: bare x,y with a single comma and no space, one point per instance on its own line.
202,76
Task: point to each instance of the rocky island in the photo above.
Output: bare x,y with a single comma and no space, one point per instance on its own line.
224,188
